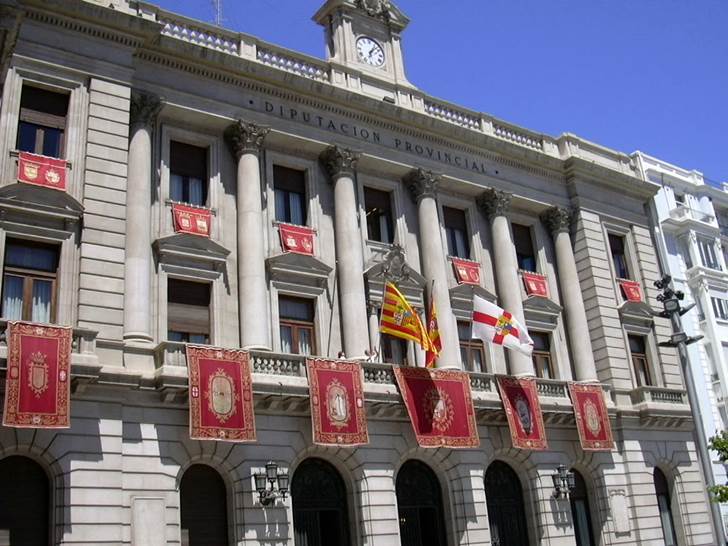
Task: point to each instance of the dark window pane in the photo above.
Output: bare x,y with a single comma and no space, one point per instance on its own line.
456,231
637,344
524,247
28,255
188,173
541,341
52,142
188,311
289,186
619,257
295,309
26,137
378,207
191,293
42,121
42,100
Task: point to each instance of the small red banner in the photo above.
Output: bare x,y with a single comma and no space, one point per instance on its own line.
338,416
37,393
192,220
42,171
440,406
523,411
535,284
466,271
221,395
592,419
631,289
297,239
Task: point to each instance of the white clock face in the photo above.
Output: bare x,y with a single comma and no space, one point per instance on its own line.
370,51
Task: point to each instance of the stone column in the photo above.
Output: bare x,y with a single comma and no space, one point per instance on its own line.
423,189
496,204
138,260
340,164
245,141
558,221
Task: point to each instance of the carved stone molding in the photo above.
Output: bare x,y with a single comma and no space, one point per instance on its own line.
245,138
421,184
144,109
495,202
375,8
557,219
339,161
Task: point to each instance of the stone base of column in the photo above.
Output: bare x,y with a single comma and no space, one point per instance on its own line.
138,337
257,348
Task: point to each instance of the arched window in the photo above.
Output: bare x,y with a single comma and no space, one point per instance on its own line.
319,505
506,513
419,500
580,512
24,497
662,491
203,507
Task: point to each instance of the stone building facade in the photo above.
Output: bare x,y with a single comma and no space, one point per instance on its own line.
150,108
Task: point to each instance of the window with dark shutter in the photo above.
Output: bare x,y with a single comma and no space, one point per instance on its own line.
523,242
378,208
42,122
188,311
187,173
456,231
289,188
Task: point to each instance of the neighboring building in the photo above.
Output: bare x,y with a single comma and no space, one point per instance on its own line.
149,108
692,234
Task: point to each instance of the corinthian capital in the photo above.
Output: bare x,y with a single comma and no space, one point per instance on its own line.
339,161
243,137
557,219
421,184
144,108
495,202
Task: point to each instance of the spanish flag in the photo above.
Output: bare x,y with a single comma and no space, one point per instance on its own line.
399,319
433,333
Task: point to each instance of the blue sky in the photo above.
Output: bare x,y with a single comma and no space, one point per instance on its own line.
629,74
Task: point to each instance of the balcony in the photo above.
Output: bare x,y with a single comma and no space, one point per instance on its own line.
660,402
683,218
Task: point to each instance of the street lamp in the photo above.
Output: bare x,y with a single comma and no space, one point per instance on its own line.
564,482
278,482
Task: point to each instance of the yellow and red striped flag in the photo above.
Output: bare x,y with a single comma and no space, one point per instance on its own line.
399,319
433,333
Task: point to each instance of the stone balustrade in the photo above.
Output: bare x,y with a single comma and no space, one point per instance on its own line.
203,35
518,136
453,115
659,395
292,62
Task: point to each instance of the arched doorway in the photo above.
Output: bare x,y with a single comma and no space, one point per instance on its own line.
203,507
419,502
320,516
24,498
580,512
506,512
662,491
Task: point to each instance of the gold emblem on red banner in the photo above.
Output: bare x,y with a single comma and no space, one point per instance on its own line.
53,177
439,407
30,170
337,404
523,411
591,418
38,377
221,395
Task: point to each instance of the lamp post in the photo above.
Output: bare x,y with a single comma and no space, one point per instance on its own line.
278,484
564,482
672,309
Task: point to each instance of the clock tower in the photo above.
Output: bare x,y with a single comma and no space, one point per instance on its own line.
364,45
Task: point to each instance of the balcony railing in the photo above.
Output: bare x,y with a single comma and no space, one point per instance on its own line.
659,395
683,212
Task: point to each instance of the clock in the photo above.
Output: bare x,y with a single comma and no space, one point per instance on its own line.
369,51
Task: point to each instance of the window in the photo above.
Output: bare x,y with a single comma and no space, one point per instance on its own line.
394,350
378,208
662,493
541,355
188,311
472,352
419,506
289,187
188,173
42,121
29,281
456,232
296,324
639,360
680,198
524,247
707,253
579,500
203,507
619,256
720,308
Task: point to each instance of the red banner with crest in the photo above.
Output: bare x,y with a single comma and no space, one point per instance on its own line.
297,239
40,170
220,394
631,289
37,385
192,220
440,406
523,411
592,419
338,416
466,271
535,284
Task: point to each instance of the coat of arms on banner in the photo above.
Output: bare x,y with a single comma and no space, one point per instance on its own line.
523,411
220,394
592,418
37,393
440,406
338,416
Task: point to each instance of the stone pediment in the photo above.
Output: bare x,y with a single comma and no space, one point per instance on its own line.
541,312
407,280
298,269
461,299
191,251
385,10
638,315
50,204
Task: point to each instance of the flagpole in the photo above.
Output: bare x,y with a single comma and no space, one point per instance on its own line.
381,313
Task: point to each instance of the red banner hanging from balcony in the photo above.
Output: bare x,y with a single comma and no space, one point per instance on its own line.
220,394
192,220
338,416
440,406
466,271
631,290
535,284
297,239
42,171
592,419
37,385
523,411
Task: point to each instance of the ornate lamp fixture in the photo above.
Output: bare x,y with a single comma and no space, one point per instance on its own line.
278,484
564,482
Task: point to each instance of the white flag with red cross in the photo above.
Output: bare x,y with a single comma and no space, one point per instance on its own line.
494,325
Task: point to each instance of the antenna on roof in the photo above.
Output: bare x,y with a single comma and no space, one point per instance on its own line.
217,8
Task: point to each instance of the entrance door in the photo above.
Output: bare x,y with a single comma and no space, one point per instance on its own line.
203,507
419,501
23,502
506,513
